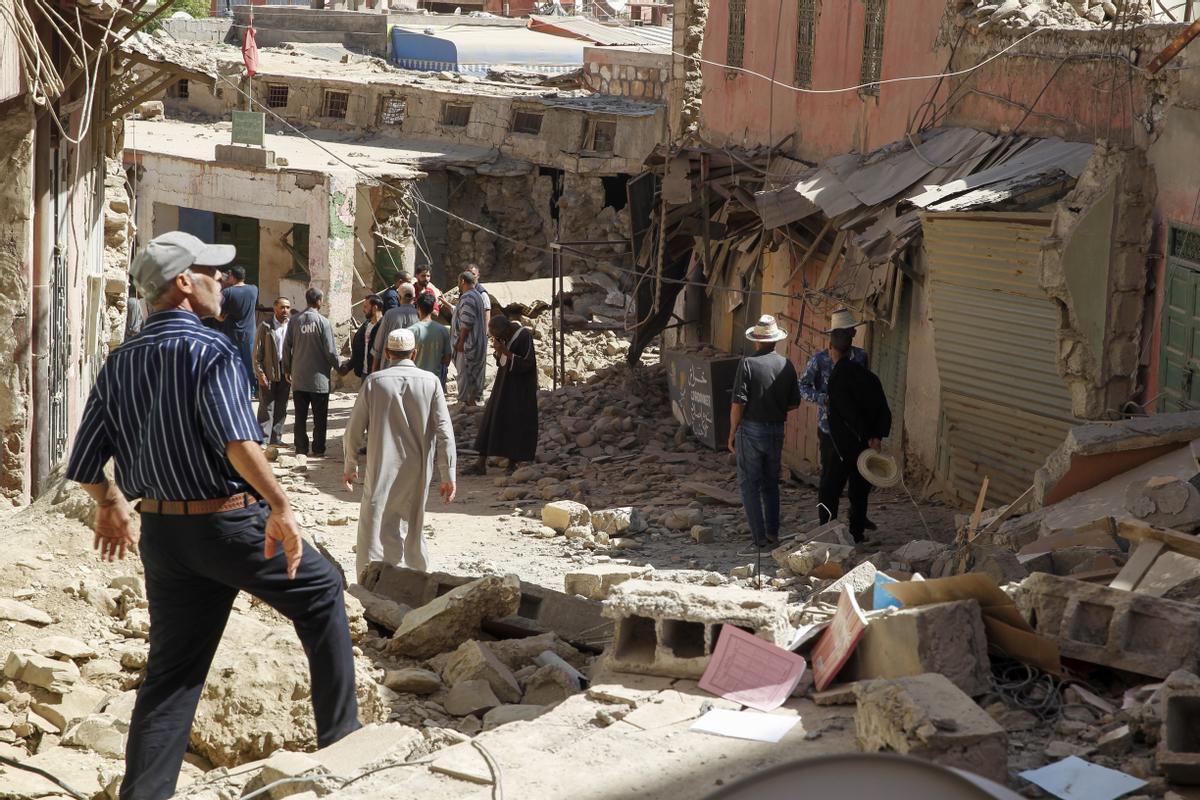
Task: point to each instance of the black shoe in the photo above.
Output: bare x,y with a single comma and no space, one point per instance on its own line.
752,551
773,541
871,526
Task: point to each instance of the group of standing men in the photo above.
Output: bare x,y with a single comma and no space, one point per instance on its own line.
852,417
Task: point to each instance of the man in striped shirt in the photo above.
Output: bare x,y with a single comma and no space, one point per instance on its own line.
171,408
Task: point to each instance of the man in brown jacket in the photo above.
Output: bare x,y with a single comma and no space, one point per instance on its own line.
273,384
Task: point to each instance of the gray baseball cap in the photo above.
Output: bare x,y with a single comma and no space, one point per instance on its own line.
168,255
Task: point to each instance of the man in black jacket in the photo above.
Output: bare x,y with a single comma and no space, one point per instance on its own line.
364,339
859,418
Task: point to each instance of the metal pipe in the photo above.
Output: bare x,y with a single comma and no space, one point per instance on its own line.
1178,43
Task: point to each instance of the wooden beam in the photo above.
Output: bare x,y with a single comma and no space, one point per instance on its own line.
122,109
812,248
1144,554
1136,531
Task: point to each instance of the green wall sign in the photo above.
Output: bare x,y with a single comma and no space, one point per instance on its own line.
249,127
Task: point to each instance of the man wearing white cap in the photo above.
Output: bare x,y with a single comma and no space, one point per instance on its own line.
402,418
764,391
814,387
171,409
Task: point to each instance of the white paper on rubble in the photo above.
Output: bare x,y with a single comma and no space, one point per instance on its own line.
1076,779
805,634
753,725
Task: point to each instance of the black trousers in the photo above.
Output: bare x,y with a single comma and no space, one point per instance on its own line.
320,409
836,471
272,409
195,566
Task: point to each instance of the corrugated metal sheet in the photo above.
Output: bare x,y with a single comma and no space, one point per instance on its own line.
996,342
600,33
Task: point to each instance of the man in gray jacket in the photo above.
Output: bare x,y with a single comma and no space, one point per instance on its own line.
268,368
308,356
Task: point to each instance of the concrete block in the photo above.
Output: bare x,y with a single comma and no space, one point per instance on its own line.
861,581
447,621
945,638
920,554
563,514
244,155
470,697
368,744
79,702
1179,743
1124,630
549,685
671,629
596,581
540,610
928,717
502,715
475,661
1000,563
811,555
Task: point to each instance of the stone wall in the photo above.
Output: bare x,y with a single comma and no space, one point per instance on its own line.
16,253
626,73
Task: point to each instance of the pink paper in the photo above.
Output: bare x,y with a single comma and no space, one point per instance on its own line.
751,671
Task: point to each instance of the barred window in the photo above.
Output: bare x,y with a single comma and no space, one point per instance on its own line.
806,34
872,55
182,89
527,122
737,33
277,95
335,104
456,114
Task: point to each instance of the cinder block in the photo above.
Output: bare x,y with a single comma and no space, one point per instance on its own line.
928,717
672,629
244,155
1124,630
541,610
946,638
1179,744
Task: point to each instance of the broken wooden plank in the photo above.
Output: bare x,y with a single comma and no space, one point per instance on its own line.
715,492
1008,512
1144,554
1136,531
977,514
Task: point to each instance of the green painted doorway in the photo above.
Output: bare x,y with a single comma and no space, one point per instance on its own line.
1179,351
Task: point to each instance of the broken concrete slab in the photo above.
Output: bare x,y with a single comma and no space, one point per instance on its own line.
502,715
919,555
928,717
475,660
540,610
64,647
671,629
563,514
367,745
48,673
379,609
594,582
548,686
1124,630
301,770
100,733
809,556
860,580
946,638
16,611
1166,501
470,697
1096,452
1168,573
1179,741
615,521
447,621
517,653
78,702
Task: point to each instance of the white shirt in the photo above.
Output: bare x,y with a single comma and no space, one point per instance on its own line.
279,332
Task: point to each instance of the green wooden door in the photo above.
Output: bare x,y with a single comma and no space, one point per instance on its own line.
1179,351
242,233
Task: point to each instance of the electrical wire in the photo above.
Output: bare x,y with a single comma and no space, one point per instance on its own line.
43,773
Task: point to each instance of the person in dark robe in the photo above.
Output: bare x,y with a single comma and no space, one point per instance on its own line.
510,420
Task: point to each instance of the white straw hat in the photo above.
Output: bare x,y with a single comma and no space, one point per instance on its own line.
878,468
767,330
842,319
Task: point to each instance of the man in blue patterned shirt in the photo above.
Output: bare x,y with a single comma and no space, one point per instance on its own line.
814,387
171,408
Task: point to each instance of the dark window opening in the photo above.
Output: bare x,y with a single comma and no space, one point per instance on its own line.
456,115
277,95
182,89
527,122
392,110
616,192
336,104
601,137
736,43
806,37
872,55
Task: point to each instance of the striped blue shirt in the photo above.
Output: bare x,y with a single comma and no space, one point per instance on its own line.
164,407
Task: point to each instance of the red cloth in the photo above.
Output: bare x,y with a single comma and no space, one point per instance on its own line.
250,52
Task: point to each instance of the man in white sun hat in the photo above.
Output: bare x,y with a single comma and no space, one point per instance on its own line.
764,391
402,418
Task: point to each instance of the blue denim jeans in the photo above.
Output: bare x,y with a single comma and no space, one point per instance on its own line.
759,455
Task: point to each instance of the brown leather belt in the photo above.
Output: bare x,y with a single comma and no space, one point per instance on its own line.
195,507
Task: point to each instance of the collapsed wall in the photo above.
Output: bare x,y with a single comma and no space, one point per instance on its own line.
1094,268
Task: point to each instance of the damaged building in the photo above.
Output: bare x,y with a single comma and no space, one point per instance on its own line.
1018,234
64,225
376,169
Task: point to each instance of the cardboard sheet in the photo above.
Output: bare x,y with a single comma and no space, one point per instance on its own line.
1076,779
751,671
839,640
1003,623
752,725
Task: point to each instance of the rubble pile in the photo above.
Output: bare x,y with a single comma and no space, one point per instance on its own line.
1010,15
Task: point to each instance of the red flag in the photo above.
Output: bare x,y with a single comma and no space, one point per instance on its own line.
250,52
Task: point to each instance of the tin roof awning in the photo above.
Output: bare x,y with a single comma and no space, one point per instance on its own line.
599,33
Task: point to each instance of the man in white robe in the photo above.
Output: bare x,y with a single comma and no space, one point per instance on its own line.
402,418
